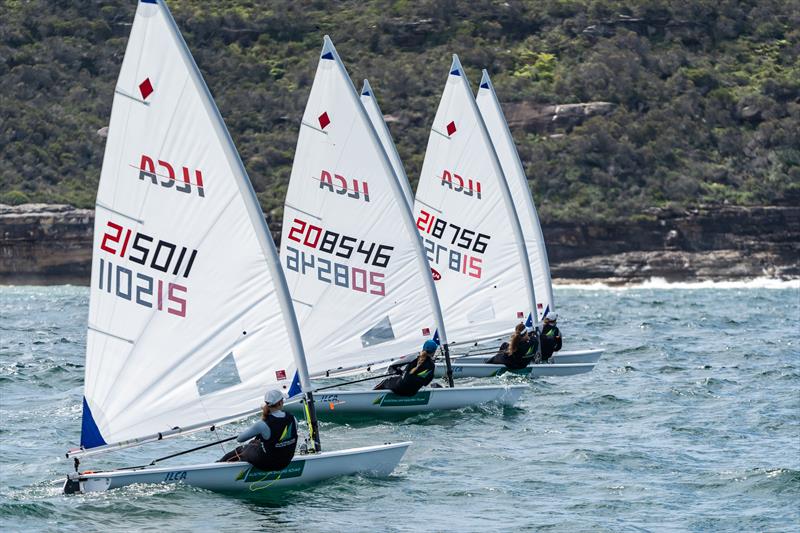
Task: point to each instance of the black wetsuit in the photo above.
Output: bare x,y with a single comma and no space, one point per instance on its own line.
522,356
409,383
273,453
551,341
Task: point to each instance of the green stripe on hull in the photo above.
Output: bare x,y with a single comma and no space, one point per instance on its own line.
393,400
254,475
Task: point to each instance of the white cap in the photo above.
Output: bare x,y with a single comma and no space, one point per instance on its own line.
273,396
552,316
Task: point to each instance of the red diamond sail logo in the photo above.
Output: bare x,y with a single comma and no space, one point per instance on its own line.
324,120
451,128
426,331
146,88
520,314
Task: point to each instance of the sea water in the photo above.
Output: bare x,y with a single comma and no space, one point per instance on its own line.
690,422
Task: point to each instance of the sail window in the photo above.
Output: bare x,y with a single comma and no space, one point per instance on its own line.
380,332
223,375
482,312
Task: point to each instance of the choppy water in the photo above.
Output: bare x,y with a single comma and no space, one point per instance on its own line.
690,422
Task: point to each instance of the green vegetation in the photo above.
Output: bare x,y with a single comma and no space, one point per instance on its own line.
706,93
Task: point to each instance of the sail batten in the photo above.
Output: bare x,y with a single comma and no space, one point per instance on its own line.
199,287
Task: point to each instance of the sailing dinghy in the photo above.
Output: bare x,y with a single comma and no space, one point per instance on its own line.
503,142
465,365
353,261
190,319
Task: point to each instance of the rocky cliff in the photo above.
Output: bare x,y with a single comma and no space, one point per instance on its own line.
50,244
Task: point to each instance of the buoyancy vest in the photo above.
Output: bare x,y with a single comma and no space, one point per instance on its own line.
411,382
551,341
276,452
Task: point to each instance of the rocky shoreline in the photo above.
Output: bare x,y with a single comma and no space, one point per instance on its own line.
45,244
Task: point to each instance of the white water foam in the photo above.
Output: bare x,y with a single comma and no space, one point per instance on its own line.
661,283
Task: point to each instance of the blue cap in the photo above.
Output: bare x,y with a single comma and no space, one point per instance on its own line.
430,346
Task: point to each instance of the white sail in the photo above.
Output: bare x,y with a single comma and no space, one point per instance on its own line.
370,102
349,248
465,216
497,127
185,315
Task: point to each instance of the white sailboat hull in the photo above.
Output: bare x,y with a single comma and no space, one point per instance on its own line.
378,461
383,402
591,355
483,370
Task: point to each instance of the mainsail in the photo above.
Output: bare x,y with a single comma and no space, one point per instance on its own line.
189,319
465,216
497,127
349,248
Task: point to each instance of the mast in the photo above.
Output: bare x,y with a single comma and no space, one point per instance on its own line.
486,83
263,236
408,218
394,156
504,191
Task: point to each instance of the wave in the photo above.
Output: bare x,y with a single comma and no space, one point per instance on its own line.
662,283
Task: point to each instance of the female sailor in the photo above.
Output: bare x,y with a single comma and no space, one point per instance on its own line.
550,336
274,437
415,375
518,352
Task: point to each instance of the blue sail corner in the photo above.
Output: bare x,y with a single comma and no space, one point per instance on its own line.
294,388
90,433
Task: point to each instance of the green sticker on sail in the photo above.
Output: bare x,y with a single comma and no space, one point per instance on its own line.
393,400
254,475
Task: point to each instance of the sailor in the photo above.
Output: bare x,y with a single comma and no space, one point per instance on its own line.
274,437
518,352
415,375
550,337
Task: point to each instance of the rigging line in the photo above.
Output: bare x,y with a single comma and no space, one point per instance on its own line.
154,461
356,381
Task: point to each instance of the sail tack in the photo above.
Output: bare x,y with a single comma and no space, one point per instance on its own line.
496,125
185,323
465,218
348,245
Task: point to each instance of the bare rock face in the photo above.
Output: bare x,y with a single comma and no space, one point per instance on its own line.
42,243
711,243
51,244
545,118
